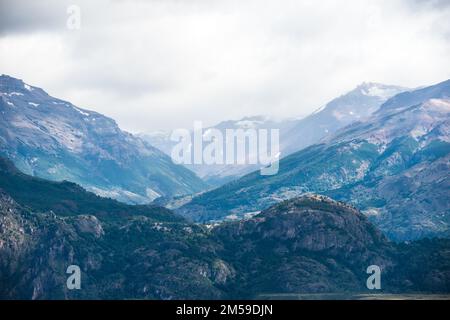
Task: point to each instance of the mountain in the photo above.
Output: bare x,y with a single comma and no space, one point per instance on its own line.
124,251
295,134
353,106
160,139
410,98
53,139
311,244
217,174
69,199
296,245
393,166
125,258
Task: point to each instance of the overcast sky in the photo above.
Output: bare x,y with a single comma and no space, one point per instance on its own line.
162,64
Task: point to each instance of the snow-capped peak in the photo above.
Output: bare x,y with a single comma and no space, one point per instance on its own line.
383,91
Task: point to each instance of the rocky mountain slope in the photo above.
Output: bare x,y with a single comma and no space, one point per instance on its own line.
394,166
69,199
306,240
53,139
124,251
134,257
218,174
295,134
356,105
307,245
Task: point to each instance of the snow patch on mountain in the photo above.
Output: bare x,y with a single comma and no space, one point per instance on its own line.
16,94
362,169
249,124
84,113
439,105
152,194
378,90
418,132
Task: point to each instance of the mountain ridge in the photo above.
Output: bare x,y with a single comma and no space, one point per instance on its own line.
57,140
359,164
295,134
310,244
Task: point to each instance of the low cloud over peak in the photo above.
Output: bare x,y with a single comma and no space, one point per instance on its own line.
163,64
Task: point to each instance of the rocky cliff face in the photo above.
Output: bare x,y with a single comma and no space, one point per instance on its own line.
314,244
137,257
54,139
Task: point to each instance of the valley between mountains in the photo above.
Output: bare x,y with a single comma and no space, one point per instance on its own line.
369,186
310,244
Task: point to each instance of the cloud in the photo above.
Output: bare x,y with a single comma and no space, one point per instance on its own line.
163,64
21,16
438,4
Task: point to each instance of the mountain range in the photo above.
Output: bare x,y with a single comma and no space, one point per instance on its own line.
218,174
394,166
54,139
378,149
365,182
356,105
295,134
309,245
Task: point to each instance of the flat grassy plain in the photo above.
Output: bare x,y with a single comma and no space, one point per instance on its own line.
351,296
